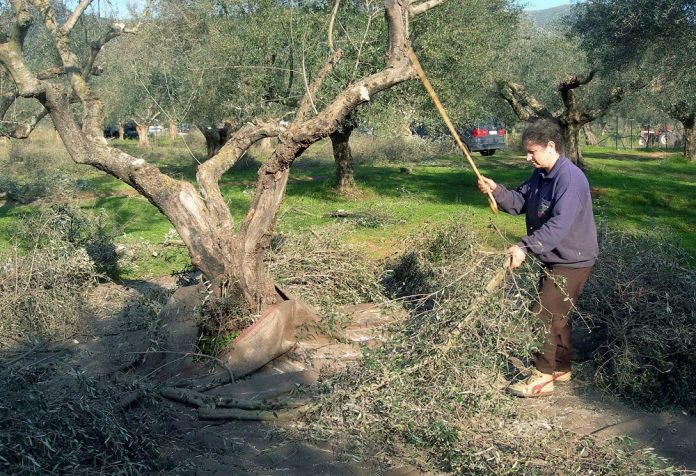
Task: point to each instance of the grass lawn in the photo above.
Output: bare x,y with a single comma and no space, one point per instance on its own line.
633,190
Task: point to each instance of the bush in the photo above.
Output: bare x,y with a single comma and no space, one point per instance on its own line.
31,173
43,281
66,222
641,298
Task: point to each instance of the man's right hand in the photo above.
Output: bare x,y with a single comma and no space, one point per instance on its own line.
487,185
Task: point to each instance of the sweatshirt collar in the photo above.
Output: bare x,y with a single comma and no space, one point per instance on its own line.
554,170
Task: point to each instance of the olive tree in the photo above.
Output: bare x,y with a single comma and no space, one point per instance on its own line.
655,39
230,258
548,76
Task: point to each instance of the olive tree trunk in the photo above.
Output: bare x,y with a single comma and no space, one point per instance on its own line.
345,179
143,138
571,118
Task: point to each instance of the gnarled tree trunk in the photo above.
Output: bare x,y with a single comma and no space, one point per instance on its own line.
171,129
345,179
232,263
215,137
570,118
143,138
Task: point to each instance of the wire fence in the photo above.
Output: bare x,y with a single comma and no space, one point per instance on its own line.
625,133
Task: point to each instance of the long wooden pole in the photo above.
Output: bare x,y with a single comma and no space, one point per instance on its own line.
465,150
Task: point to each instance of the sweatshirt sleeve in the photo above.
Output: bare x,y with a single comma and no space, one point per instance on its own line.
513,202
548,236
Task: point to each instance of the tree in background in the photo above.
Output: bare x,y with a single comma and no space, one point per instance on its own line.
543,79
657,39
460,45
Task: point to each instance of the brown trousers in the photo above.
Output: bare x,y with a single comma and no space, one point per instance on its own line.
558,291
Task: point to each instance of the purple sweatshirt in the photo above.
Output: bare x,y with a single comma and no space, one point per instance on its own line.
560,226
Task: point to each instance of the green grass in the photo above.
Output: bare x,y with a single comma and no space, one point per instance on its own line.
634,190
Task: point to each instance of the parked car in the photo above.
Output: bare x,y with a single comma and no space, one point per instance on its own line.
111,132
155,128
484,137
130,131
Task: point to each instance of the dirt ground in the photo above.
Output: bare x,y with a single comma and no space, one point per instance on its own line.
111,350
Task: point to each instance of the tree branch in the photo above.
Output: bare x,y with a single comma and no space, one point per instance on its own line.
21,130
116,30
331,24
575,81
307,100
209,173
75,15
23,19
520,110
415,10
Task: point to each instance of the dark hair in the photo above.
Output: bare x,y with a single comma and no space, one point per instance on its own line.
542,131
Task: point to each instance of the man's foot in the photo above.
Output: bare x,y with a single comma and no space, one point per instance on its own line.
562,376
536,385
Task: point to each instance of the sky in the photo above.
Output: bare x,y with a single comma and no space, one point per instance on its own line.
543,4
528,4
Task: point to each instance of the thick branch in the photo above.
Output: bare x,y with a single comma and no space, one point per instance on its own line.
23,20
520,109
527,99
575,81
76,14
308,98
423,7
92,118
209,172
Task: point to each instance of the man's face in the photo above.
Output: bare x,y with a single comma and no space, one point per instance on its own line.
541,156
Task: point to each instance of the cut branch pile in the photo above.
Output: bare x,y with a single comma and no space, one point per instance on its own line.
642,301
433,393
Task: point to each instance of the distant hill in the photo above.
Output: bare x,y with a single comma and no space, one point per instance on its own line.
543,18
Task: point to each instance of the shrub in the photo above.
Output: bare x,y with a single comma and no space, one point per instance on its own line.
44,279
93,232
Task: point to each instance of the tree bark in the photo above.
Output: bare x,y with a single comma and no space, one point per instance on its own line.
171,128
266,143
345,179
590,138
572,144
690,138
143,138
